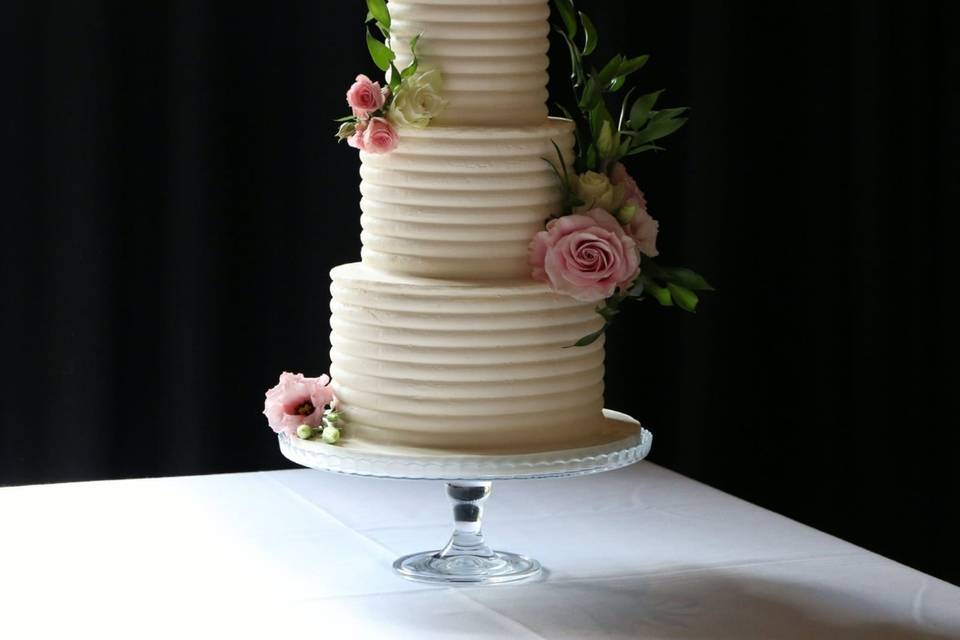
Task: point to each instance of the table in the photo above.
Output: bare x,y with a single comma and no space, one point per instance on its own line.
638,553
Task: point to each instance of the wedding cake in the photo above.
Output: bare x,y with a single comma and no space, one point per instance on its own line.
462,327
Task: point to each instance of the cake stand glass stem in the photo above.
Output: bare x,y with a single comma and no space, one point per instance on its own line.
466,559
467,539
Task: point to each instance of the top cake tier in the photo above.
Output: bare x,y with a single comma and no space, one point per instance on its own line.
492,54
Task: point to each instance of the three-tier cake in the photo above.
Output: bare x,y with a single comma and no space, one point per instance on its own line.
498,242
440,338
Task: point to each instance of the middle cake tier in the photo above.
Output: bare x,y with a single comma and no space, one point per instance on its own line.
461,365
461,202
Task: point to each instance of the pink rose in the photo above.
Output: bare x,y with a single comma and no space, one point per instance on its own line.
356,140
365,96
586,256
642,227
297,400
379,136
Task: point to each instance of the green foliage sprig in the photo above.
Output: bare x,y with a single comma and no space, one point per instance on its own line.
602,141
382,54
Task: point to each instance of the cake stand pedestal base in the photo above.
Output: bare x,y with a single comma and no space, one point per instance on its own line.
617,441
467,558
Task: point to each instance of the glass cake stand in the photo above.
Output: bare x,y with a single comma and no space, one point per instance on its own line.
466,558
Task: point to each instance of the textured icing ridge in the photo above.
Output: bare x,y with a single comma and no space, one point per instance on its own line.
471,365
460,201
492,53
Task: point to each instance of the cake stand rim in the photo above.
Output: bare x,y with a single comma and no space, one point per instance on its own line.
425,465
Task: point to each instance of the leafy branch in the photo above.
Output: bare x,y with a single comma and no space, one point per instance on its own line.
670,286
601,139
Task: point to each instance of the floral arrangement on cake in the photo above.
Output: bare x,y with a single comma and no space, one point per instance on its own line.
600,247
410,97
303,407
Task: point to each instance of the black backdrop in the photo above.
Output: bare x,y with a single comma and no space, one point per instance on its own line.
173,199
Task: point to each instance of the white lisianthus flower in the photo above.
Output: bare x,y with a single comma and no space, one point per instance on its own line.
597,192
418,100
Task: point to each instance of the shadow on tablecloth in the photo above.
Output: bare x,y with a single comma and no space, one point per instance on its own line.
717,604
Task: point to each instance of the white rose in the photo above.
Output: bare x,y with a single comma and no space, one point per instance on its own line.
597,192
418,100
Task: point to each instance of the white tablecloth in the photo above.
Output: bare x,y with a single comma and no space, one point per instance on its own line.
637,553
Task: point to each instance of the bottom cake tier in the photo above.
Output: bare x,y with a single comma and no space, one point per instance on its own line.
462,365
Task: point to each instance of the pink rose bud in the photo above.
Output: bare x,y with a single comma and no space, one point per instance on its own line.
297,401
586,256
356,140
379,136
364,96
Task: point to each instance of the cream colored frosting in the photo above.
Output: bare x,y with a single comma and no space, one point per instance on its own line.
492,53
440,338
461,201
475,365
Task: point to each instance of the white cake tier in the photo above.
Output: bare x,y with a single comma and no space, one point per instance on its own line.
461,202
492,53
461,365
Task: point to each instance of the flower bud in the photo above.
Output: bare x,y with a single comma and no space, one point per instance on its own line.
304,432
596,191
330,435
605,145
346,130
626,212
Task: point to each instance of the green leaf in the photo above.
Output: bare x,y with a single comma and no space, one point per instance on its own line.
395,79
640,110
409,70
381,53
566,112
609,71
415,61
625,68
576,63
590,37
623,108
591,158
642,148
662,294
590,338
378,9
687,278
565,9
607,312
369,17
669,114
630,65
685,299
657,130
591,94
346,119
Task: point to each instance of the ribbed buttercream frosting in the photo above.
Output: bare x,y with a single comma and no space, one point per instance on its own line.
461,201
467,365
492,53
